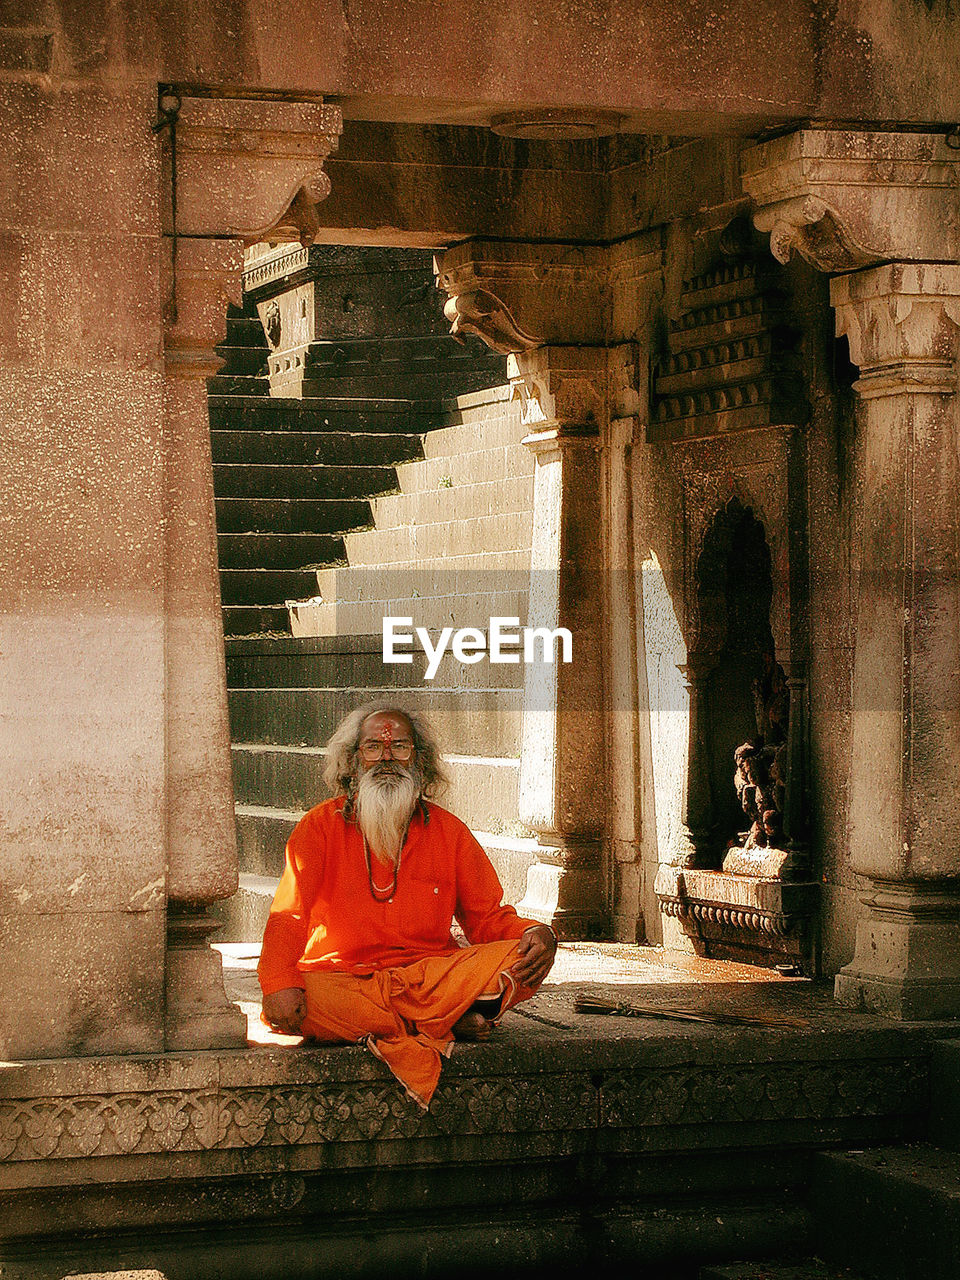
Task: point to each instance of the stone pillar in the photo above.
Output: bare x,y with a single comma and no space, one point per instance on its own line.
696,836
563,758
903,324
532,302
236,171
82,816
794,808
201,833
847,202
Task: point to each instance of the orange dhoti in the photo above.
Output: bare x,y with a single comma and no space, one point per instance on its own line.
405,1015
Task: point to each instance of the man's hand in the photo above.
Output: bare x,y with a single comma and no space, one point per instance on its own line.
285,1010
538,947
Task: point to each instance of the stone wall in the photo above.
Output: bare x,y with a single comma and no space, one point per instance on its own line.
82,671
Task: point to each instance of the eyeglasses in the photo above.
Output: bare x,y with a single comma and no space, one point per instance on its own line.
400,750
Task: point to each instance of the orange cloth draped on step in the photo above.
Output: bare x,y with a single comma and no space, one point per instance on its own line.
326,921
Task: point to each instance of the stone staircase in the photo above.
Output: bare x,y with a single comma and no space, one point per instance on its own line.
395,484
291,478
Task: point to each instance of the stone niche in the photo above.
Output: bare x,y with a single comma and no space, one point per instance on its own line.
729,405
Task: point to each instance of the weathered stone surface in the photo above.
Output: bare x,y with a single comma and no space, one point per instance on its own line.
82,982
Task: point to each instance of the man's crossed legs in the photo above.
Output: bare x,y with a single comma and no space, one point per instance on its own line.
406,1016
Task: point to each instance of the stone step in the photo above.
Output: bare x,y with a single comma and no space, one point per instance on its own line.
945,1093
262,836
292,515
801,1269
506,531
235,480
456,470
894,1212
318,618
247,361
313,662
243,917
328,413
278,550
439,383
465,721
483,792
265,586
448,599
255,620
486,431
348,661
425,502
306,448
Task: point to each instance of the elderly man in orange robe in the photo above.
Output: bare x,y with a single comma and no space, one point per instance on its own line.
358,945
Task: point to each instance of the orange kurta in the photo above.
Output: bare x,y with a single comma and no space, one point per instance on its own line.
390,972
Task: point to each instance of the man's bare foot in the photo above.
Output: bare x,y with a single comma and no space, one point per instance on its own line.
471,1026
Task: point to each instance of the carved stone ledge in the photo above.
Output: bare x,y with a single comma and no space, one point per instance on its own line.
732,916
343,1102
249,169
845,199
282,262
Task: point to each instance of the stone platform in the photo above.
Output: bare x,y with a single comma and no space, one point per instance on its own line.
568,1137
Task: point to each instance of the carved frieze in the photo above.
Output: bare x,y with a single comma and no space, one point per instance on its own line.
732,362
358,1111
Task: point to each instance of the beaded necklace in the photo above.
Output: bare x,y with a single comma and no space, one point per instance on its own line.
378,892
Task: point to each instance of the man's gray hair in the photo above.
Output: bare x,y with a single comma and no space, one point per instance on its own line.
340,765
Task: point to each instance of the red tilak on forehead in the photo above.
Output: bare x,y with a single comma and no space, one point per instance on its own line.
386,733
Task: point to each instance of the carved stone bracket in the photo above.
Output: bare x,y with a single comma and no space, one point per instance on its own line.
249,169
845,199
556,292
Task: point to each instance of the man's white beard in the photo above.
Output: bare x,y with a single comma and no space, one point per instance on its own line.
385,799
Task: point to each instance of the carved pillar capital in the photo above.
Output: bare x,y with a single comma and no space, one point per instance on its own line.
565,385
247,169
845,199
517,296
902,322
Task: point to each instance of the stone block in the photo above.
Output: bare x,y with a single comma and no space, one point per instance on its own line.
82,983
82,301
50,144
81,734
893,1211
945,1093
